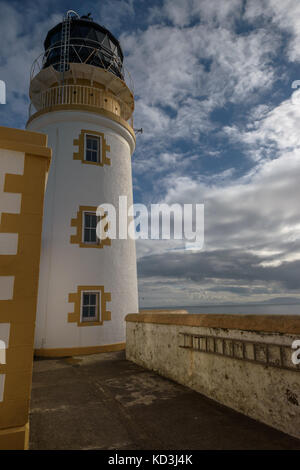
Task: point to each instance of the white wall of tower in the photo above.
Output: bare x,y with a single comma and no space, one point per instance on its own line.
64,265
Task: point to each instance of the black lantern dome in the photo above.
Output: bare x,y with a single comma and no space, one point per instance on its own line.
81,40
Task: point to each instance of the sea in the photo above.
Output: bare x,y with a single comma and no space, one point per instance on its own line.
246,309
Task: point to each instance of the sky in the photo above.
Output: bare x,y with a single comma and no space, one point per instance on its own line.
213,93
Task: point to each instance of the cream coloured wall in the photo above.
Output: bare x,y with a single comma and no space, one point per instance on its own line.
24,162
256,388
11,162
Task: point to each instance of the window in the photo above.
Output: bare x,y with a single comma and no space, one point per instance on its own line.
90,221
92,148
90,306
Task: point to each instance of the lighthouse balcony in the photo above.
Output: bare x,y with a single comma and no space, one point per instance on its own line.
81,96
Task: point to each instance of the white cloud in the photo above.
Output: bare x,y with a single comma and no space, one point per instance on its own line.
284,14
113,12
182,74
252,225
272,131
183,13
22,47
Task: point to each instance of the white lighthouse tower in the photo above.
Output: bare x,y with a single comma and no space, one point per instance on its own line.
81,101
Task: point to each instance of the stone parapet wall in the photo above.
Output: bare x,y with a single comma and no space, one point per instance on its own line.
242,361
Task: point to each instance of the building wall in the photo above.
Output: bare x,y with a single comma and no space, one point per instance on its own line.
24,162
66,266
265,387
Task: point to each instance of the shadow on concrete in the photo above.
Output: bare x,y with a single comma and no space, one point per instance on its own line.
105,402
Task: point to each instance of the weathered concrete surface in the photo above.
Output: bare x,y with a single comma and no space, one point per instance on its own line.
268,394
105,402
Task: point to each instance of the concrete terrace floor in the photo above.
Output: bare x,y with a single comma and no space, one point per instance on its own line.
105,402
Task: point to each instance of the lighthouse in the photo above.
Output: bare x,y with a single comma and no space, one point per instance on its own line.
80,99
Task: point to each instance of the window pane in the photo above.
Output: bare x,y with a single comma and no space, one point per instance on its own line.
87,237
85,312
86,299
88,155
94,156
93,220
92,312
87,219
93,299
92,142
93,236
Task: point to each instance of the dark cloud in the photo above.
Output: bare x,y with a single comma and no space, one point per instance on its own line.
220,265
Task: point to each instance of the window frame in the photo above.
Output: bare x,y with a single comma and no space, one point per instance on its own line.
97,242
98,138
97,317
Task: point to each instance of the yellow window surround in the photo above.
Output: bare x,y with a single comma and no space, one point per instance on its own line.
80,142
103,314
78,223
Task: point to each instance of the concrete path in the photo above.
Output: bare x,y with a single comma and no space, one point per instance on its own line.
105,402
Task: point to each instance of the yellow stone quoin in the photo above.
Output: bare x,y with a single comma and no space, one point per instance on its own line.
24,164
79,351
